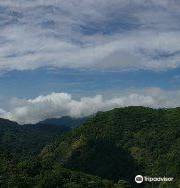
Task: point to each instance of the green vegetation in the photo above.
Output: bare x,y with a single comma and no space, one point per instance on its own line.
112,146
122,143
65,121
24,141
32,173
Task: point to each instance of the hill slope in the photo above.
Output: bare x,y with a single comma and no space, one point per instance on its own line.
114,145
35,173
65,121
19,166
26,140
122,143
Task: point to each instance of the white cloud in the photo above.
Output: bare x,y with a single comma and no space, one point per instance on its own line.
36,34
2,112
132,51
57,105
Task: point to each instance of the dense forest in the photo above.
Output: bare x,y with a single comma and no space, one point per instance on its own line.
27,140
107,151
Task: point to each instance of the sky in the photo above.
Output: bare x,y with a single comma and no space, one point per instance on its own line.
77,57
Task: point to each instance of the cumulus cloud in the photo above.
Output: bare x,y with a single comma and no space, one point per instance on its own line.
100,34
57,105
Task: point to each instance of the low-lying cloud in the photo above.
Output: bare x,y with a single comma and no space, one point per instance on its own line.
56,105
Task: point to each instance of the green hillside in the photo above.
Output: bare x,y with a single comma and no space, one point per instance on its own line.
24,141
65,121
122,143
107,151
35,173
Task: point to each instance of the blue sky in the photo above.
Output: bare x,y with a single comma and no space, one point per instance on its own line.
83,82
107,53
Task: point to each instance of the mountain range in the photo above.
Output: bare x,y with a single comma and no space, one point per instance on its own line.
105,150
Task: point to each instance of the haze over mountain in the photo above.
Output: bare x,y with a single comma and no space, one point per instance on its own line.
65,121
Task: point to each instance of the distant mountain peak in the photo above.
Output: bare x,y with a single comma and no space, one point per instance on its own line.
65,121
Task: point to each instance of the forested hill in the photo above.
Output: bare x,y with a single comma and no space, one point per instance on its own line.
27,140
122,143
111,146
65,121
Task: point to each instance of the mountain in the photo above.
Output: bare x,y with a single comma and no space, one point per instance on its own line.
31,173
27,140
65,121
122,143
106,151
19,166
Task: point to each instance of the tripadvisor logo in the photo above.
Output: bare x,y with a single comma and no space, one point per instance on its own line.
140,179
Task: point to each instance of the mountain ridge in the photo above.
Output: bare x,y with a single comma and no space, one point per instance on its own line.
145,136
114,146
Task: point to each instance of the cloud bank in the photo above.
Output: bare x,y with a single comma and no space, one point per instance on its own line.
57,105
96,34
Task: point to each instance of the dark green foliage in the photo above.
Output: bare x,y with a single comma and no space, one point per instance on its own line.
31,173
65,121
102,158
114,145
69,179
148,139
27,140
